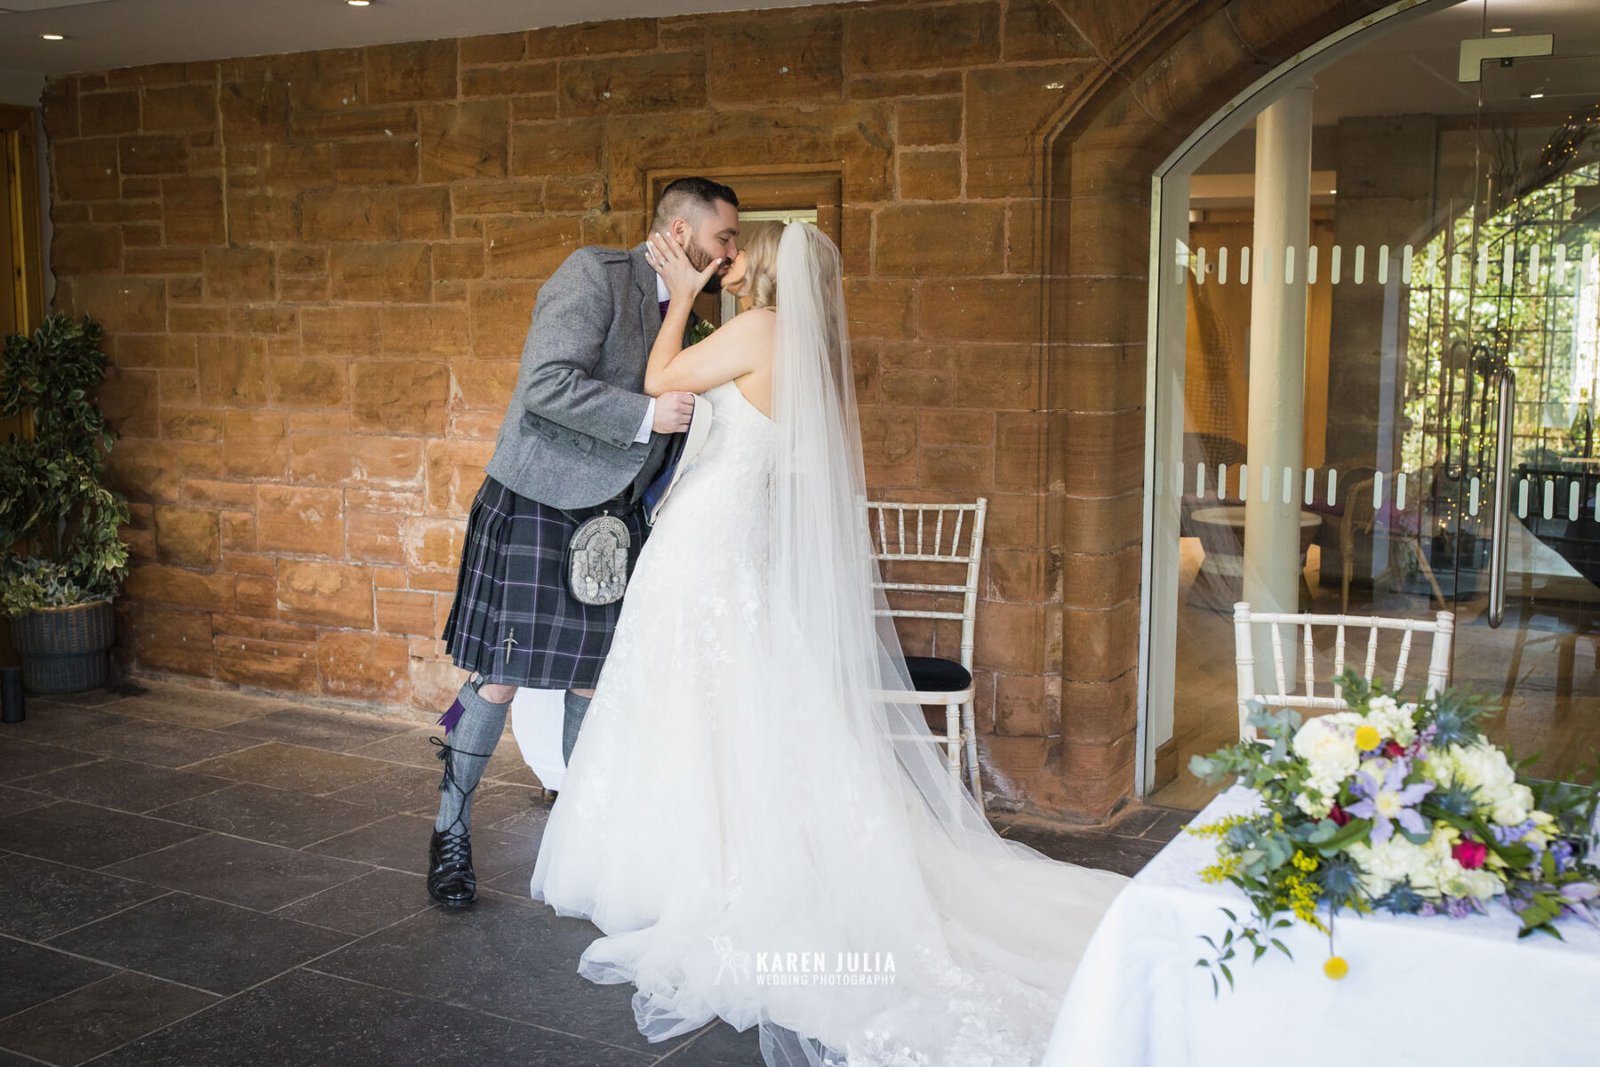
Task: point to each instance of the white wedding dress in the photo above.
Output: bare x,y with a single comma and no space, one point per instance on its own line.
718,817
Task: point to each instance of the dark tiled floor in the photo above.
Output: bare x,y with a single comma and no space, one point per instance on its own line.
201,878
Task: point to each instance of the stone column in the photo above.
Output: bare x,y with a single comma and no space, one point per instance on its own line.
1277,355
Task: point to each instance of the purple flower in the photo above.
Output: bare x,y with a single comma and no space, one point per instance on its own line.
1389,801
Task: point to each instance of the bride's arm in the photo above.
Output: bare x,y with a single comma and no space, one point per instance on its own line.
722,357
731,352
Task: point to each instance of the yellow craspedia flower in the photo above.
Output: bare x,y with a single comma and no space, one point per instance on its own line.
1336,967
1368,738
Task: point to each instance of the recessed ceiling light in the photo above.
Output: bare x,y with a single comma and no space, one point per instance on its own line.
52,36
1499,29
359,3
1535,96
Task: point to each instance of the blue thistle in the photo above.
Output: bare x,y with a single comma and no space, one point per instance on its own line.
1455,720
1457,800
1401,900
1341,881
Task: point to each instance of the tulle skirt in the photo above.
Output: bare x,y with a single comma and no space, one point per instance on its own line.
747,857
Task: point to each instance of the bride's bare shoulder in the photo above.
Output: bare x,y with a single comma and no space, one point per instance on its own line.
752,326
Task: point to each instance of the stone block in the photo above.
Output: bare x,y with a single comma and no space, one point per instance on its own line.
420,70
454,473
239,275
940,240
192,210
299,520
521,247
520,80
172,639
350,215
187,537
393,273
1037,29
400,397
180,107
406,613
85,170
367,459
391,161
340,331
256,445
374,537
895,39
466,140
85,248
764,60
233,371
112,112
659,81
929,175
361,666
557,148
308,383
152,154
928,121
592,38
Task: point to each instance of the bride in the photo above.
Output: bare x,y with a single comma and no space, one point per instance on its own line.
758,832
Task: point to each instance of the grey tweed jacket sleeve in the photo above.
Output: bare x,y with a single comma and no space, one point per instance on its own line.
565,348
568,438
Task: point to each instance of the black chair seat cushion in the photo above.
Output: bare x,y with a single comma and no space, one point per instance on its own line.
931,675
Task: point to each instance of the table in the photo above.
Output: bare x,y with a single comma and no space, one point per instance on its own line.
1435,991
1219,583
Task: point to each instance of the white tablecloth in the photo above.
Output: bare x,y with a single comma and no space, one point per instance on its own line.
1434,991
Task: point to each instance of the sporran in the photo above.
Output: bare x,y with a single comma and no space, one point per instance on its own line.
597,560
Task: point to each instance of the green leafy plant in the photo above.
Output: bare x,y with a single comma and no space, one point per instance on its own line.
59,523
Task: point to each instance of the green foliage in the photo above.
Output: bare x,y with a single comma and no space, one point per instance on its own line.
59,523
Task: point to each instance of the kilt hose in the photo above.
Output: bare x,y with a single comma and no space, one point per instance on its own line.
514,620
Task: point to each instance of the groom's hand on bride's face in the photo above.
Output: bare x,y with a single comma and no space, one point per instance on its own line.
673,411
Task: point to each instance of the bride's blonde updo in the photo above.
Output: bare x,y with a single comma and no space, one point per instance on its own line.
759,242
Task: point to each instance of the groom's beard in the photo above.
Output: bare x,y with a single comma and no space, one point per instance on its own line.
699,259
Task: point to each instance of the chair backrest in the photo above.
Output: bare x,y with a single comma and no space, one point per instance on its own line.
1441,626
948,539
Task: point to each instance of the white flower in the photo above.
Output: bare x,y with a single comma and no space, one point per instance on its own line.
1329,749
1483,767
1393,719
1395,860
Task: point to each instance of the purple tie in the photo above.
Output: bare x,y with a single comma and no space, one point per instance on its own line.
664,304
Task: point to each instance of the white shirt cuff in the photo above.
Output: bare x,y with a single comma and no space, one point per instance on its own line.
643,436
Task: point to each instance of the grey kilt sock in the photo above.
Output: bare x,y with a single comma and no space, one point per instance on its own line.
465,754
572,722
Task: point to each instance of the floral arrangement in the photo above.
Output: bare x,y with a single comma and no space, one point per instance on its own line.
1399,807
700,329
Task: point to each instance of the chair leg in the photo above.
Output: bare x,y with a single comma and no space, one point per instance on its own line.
970,730
952,743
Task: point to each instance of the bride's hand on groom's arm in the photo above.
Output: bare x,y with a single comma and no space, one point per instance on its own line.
668,259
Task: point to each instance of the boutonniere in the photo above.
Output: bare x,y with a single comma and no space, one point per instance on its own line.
700,330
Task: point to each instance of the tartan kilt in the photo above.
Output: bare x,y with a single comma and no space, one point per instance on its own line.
513,583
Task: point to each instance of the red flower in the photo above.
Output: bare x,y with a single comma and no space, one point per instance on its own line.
1470,854
1339,815
1394,750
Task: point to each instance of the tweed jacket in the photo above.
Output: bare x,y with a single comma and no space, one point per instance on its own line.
568,435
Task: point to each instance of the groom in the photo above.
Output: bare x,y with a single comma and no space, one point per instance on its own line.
579,440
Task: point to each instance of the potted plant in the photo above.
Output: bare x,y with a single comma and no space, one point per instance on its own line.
61,559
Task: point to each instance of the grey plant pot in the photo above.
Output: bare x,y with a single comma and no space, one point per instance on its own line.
65,650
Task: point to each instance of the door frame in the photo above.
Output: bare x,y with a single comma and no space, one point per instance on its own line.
1158,620
19,130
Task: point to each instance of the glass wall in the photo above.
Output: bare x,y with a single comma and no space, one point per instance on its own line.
1377,316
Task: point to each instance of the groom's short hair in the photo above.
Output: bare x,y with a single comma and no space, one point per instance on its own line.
690,198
